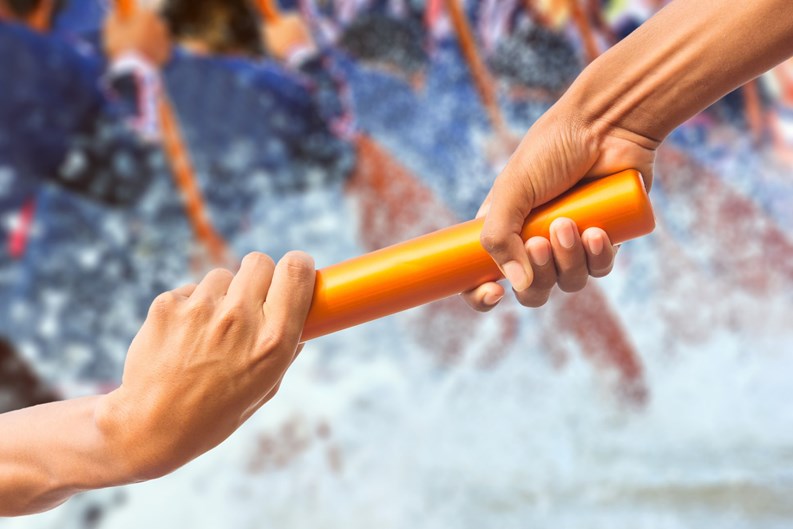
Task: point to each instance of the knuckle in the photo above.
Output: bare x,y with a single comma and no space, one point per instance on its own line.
231,316
493,242
273,339
297,266
258,260
199,309
220,273
162,304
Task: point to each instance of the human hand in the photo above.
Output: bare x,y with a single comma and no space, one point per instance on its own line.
557,152
287,35
207,357
142,31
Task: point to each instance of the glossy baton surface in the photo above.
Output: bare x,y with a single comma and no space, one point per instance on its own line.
452,260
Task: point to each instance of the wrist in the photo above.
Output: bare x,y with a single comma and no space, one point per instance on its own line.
600,111
131,445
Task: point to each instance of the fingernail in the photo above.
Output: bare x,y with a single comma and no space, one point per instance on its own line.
491,299
596,244
515,274
565,233
540,254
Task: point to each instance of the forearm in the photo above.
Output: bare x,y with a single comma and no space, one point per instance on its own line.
681,61
49,453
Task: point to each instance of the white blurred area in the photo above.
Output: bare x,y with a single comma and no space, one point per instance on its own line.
372,429
369,431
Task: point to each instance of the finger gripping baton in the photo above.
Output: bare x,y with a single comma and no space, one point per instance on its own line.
452,260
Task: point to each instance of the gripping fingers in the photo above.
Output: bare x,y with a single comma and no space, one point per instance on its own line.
214,285
600,253
540,253
253,280
485,297
290,296
185,291
569,254
500,236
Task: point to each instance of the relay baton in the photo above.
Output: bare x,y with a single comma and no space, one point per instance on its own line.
452,260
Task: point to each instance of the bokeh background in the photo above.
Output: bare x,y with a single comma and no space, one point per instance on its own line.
658,397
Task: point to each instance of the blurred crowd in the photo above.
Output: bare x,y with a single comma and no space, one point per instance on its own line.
141,145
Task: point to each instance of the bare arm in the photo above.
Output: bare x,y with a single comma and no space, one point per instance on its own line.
615,116
681,61
207,357
52,451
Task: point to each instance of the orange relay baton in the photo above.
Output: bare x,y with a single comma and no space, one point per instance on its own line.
452,260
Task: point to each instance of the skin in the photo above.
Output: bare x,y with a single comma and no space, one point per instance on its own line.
206,359
287,34
209,355
614,117
142,32
40,19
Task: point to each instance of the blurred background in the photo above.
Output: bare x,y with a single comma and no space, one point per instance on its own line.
136,153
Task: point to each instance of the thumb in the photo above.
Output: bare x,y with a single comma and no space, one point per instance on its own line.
512,199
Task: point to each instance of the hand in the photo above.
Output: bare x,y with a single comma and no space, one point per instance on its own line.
286,35
556,153
207,357
142,32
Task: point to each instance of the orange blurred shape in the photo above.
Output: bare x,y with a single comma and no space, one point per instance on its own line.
452,260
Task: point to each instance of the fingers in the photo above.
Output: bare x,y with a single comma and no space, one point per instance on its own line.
509,207
290,296
566,259
541,255
252,282
184,291
568,252
485,297
600,253
214,285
